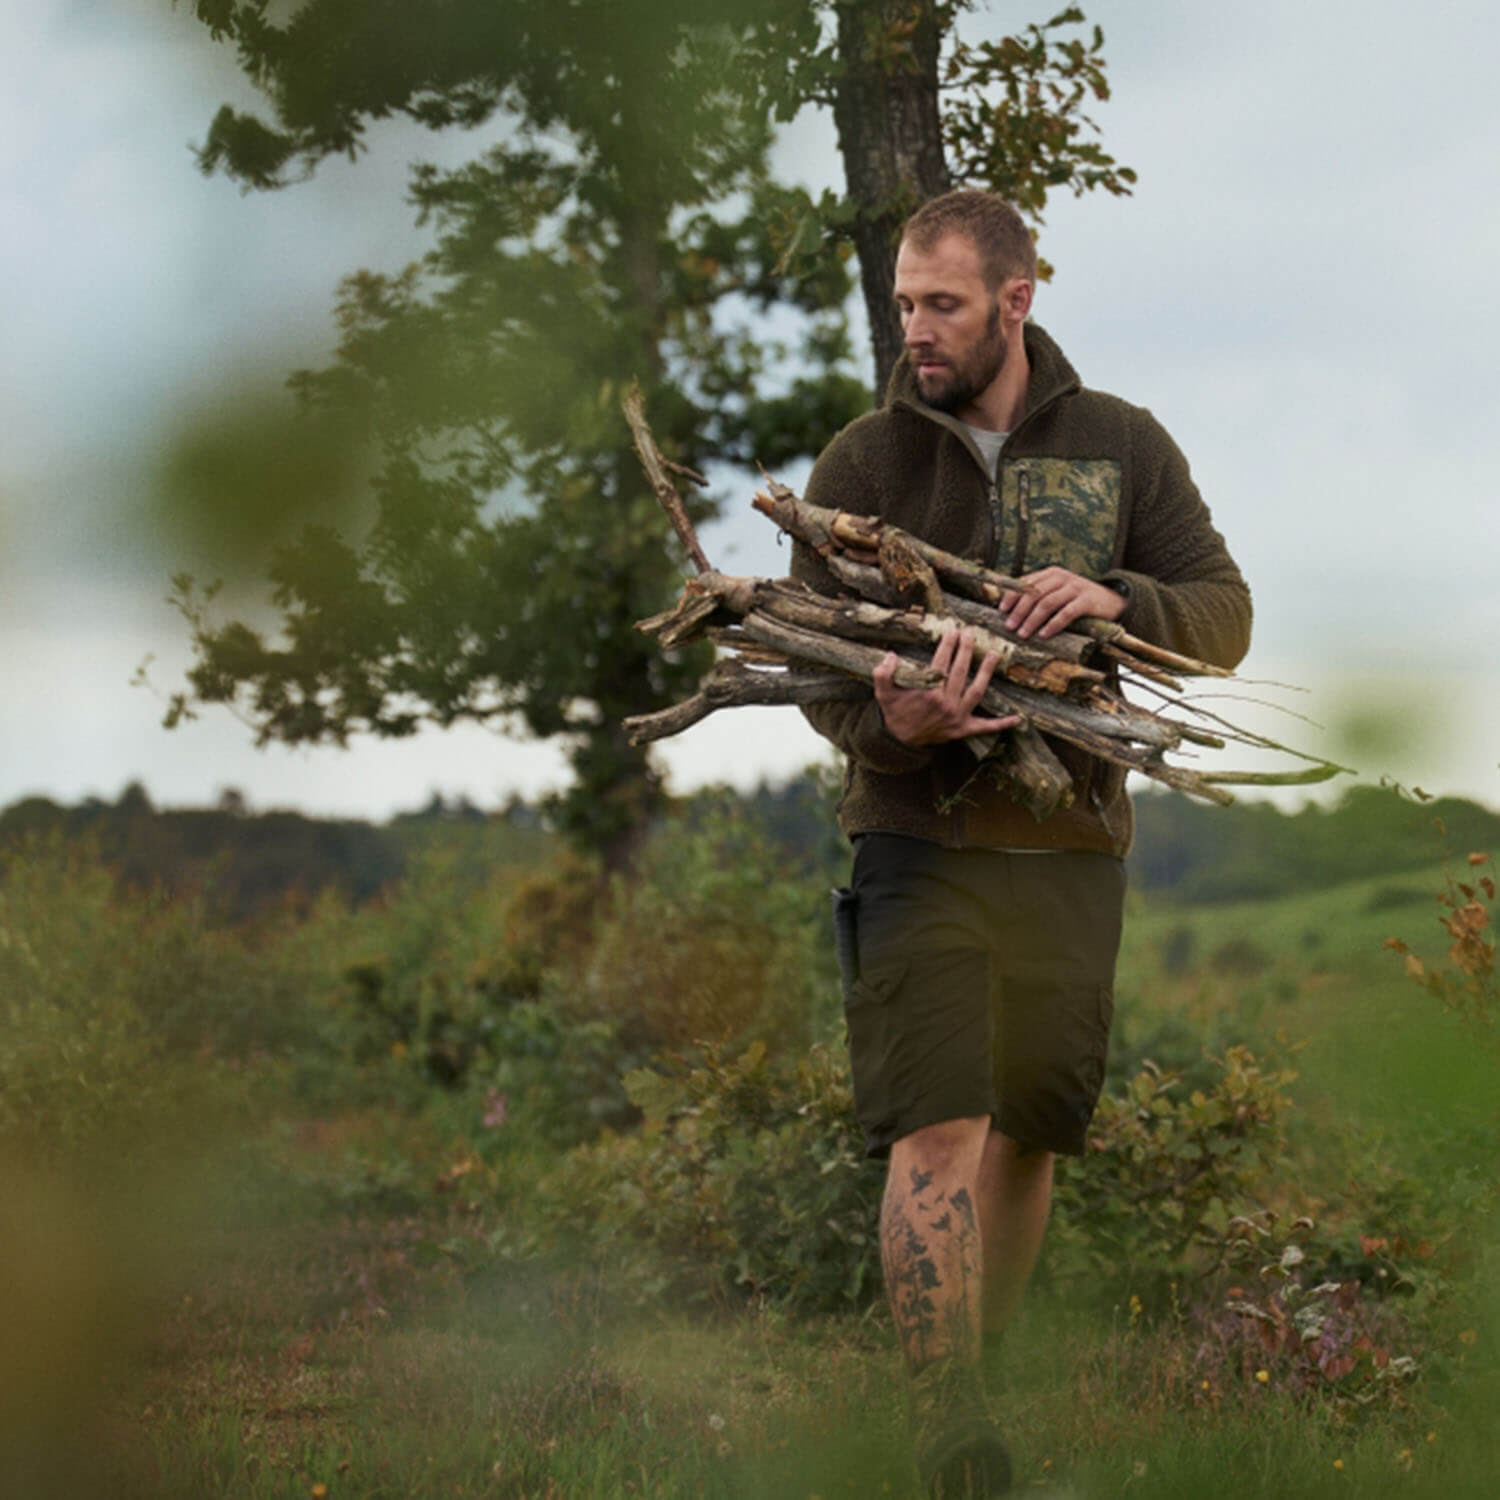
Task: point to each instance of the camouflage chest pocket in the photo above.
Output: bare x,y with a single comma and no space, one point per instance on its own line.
1060,512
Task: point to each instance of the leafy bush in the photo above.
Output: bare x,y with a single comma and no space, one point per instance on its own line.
715,939
1284,1325
1465,985
86,1054
748,1176
1165,1172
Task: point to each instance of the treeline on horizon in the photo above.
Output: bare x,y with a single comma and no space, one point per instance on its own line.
248,861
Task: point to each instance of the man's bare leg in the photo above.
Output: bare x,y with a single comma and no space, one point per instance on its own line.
930,1246
933,1261
1013,1200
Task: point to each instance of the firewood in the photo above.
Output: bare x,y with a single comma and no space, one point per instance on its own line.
795,645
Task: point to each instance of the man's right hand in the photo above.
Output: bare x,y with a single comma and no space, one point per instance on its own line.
932,716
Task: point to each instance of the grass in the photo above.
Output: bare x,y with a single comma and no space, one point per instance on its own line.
331,1309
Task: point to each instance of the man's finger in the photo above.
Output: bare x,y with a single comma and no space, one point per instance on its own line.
963,658
942,658
980,685
1063,618
990,726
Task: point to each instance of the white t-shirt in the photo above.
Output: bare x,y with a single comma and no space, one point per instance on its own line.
989,445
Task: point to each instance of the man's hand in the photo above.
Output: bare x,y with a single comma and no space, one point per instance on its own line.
1058,597
932,716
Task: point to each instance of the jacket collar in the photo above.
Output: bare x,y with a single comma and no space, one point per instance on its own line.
1051,377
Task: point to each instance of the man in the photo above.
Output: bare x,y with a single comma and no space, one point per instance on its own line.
981,943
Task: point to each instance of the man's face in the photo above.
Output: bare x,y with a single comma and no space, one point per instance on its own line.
950,320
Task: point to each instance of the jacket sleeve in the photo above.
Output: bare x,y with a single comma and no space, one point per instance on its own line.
856,728
1185,591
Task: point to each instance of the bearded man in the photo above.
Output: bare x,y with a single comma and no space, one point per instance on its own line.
979,943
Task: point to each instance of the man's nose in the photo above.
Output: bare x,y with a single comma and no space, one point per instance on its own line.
915,333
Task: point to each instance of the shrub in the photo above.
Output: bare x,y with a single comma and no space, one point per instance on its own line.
1465,985
1276,1320
83,1062
715,939
1165,1172
748,1176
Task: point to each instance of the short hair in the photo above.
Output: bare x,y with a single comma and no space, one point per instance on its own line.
988,222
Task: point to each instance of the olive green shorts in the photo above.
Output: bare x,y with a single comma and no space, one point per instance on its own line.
978,982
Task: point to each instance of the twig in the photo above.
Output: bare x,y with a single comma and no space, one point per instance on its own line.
656,471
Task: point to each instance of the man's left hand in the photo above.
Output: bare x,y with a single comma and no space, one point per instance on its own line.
1057,598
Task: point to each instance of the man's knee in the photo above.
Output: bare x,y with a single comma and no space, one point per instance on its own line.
942,1148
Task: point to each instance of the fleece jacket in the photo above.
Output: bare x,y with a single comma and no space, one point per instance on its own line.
1085,481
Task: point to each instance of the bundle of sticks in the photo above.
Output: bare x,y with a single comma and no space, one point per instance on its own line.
790,644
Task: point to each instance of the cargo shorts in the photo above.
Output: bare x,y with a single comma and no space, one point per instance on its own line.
978,982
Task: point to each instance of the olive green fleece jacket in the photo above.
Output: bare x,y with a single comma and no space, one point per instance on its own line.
1086,482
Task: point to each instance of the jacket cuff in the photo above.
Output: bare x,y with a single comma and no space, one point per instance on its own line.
1142,615
876,748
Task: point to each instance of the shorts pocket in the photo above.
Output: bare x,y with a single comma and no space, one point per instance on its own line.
875,985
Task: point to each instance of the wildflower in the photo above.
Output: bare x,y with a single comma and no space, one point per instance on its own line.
318,1491
1468,1338
716,1421
1135,1307
1403,1459
1432,1437
496,1107
1139,1468
1207,1386
1338,1464
1264,1376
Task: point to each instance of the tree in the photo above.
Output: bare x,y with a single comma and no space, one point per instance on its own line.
622,226
921,109
516,542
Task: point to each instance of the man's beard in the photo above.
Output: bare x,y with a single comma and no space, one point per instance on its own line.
970,376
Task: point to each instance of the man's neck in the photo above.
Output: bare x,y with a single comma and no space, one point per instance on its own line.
1002,403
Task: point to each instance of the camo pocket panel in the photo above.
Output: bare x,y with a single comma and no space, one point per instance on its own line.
1062,512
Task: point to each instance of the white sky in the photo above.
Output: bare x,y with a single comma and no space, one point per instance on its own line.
1303,289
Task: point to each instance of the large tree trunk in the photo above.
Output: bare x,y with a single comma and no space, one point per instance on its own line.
891,139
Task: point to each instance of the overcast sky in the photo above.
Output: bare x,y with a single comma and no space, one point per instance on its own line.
1303,288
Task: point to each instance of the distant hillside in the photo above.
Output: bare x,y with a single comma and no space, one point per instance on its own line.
247,861
1203,853
1183,848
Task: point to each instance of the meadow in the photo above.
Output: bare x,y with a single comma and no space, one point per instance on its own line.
519,1183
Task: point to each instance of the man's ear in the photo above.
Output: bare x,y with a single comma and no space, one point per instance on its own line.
1015,299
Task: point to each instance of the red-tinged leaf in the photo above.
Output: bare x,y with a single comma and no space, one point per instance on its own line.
1414,969
1369,1243
1381,1356
1363,1343
1468,890
1478,859
1336,1366
1426,1249
1396,945
1488,886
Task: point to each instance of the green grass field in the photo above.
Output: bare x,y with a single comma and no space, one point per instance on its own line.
345,1305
